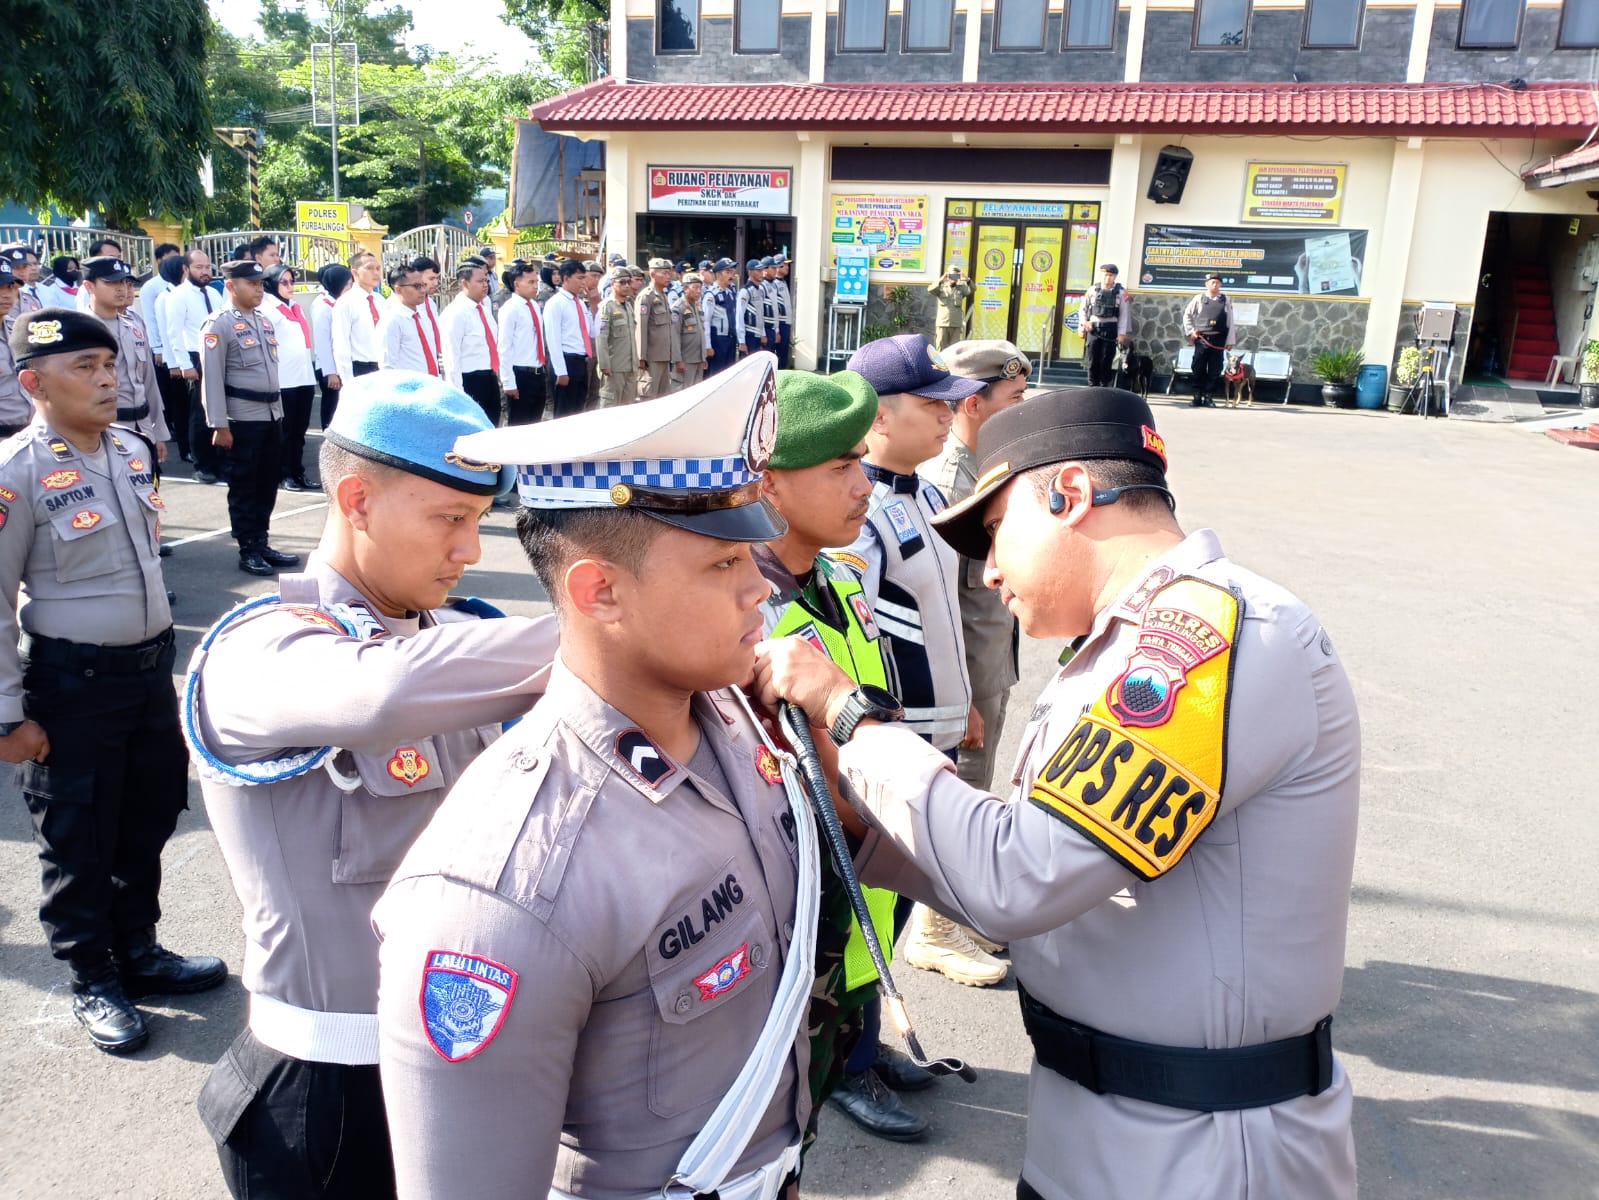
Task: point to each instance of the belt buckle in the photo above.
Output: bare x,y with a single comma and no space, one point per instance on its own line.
149,656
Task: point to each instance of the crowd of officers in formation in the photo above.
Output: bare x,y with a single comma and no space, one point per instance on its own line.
569,992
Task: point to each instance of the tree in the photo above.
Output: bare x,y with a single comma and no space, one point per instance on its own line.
104,114
571,34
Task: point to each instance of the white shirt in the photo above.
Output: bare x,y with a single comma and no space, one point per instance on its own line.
58,295
294,351
466,339
184,311
354,331
521,338
562,333
150,309
321,313
405,341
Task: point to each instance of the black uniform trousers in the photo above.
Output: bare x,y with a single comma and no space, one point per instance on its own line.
207,457
1101,354
175,406
484,387
253,469
573,397
1207,368
726,353
362,368
296,420
292,1130
330,400
528,404
106,799
1026,1191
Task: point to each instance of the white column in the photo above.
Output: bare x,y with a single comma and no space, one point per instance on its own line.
973,46
1387,269
1118,227
818,64
1137,15
618,189
811,259
1420,41
618,39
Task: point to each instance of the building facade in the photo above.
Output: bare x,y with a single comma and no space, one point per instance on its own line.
1339,161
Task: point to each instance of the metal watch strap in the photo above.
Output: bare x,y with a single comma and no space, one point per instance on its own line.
857,707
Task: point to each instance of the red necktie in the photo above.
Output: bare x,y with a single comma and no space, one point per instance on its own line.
373,305
438,346
583,327
538,334
427,353
488,335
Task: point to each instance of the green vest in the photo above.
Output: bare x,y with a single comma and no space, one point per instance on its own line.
858,650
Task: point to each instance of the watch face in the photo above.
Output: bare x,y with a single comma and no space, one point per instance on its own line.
880,698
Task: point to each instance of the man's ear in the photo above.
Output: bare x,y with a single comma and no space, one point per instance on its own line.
591,589
353,496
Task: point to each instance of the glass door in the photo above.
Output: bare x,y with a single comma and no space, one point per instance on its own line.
1040,286
993,279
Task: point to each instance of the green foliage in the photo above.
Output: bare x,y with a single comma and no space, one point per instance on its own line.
876,330
569,34
899,307
104,109
1338,366
1590,361
1408,367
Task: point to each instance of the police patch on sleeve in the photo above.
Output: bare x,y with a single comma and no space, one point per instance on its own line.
464,1002
1141,774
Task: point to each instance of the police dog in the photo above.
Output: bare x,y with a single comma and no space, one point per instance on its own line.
1133,370
1239,380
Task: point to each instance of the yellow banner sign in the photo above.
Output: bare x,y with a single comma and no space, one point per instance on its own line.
1040,285
991,275
1297,193
958,246
322,216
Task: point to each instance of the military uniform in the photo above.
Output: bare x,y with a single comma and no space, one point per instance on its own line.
689,334
239,383
79,535
615,347
951,295
1184,826
657,343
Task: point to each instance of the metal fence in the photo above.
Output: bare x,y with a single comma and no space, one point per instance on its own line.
75,240
446,245
307,253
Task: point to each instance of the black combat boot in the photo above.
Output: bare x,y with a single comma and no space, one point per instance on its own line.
149,969
277,558
101,1003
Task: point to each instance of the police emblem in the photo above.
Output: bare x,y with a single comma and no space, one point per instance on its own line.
863,614
760,438
409,766
767,766
724,976
5,515
86,518
135,464
938,359
63,478
154,498
464,1001
212,341
934,498
1171,643
44,333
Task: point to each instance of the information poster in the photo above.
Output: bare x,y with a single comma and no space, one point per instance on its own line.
892,229
991,295
1293,262
747,191
1041,247
1298,193
958,246
1071,346
853,274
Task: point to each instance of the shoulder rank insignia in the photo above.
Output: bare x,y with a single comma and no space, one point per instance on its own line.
7,494
409,766
642,756
1142,772
61,450
464,1001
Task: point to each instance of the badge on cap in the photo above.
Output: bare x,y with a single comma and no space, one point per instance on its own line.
45,333
1154,442
465,998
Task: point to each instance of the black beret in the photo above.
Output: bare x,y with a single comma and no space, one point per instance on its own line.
58,331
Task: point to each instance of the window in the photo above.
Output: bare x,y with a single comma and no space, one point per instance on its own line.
1019,24
1221,23
677,27
1490,24
1333,24
1090,24
863,25
1579,25
928,24
758,26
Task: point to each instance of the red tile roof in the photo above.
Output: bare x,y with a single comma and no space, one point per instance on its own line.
1371,109
1583,156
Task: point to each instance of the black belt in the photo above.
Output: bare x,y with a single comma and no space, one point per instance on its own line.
81,657
1192,1078
133,414
239,393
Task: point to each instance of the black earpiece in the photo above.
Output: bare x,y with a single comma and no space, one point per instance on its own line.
1057,502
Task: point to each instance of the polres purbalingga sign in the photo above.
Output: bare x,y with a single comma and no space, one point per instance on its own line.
735,191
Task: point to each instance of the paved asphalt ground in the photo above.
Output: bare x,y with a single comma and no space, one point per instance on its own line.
1455,566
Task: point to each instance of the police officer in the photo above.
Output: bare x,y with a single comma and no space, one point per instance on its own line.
722,318
16,409
783,306
615,910
816,483
109,283
1208,325
615,343
239,383
657,349
414,689
1106,317
951,291
1184,825
752,309
769,303
86,700
689,331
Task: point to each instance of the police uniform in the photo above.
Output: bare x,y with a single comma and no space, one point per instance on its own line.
752,311
16,409
595,961
314,797
1106,315
139,401
1208,325
615,344
239,384
1183,827
783,306
721,322
657,342
79,535
689,335
951,296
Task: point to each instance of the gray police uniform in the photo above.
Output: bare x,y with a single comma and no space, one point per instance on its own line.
16,409
79,536
988,631
311,836
910,575
689,336
784,304
239,382
1123,921
139,402
656,342
596,933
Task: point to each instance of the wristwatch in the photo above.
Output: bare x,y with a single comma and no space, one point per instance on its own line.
867,700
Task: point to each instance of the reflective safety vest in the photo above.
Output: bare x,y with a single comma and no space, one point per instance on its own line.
858,649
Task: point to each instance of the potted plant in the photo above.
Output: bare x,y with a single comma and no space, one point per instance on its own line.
1590,373
1338,369
1406,371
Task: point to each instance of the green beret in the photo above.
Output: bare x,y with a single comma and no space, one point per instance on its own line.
820,417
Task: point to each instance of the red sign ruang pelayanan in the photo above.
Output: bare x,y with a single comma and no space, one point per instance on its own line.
753,191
